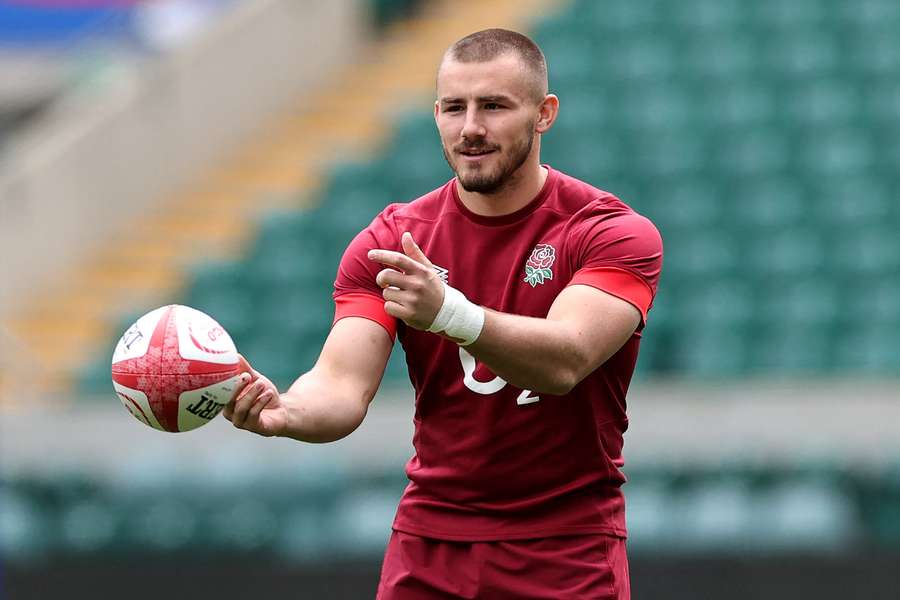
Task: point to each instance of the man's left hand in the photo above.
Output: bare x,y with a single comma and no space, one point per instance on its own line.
413,292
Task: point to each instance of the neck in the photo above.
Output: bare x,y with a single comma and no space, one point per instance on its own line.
521,189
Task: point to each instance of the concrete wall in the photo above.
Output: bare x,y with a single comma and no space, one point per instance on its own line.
102,159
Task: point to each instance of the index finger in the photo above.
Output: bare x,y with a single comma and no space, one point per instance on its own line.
396,259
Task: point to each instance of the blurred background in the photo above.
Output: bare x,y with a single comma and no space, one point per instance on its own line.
221,153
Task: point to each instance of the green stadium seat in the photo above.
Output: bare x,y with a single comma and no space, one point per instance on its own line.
685,205
585,112
654,109
871,251
848,204
791,349
645,58
736,103
701,256
872,301
723,304
875,56
414,170
278,357
786,255
619,17
667,154
870,349
762,208
287,251
883,106
572,59
841,152
788,17
718,56
706,352
222,290
759,153
384,12
868,15
824,103
805,303
701,16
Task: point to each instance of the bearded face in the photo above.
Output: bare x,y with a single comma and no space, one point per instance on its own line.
485,167
486,114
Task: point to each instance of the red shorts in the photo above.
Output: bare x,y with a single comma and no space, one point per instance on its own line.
584,567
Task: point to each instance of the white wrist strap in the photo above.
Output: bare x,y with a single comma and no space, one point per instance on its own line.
458,318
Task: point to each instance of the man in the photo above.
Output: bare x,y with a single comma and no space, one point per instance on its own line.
519,295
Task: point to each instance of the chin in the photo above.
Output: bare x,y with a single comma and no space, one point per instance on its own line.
481,185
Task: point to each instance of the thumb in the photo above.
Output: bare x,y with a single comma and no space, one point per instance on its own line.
244,367
412,250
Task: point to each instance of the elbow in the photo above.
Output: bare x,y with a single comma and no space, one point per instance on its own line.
559,383
564,377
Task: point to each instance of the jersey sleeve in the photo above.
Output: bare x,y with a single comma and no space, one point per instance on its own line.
620,254
356,294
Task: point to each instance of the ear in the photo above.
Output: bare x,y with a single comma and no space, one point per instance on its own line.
436,107
547,112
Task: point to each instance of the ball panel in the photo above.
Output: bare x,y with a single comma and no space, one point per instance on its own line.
148,363
136,403
163,394
201,338
136,339
198,407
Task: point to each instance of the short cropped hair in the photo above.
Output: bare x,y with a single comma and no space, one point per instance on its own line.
488,44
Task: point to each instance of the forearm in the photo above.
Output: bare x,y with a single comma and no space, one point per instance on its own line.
540,355
322,410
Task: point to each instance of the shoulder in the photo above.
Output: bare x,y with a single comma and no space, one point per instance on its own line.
592,208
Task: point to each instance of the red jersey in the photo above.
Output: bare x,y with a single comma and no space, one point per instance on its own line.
492,461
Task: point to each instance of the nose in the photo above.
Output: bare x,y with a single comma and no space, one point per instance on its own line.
473,127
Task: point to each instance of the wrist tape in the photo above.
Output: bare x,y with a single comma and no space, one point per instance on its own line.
458,318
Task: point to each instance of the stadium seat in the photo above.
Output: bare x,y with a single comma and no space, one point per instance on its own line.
736,103
700,256
221,290
700,16
870,349
785,255
872,251
718,57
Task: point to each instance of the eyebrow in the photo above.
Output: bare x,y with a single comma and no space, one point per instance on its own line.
496,98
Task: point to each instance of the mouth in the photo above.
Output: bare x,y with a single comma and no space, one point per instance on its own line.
475,153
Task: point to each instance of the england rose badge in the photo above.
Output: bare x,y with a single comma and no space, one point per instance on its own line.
538,266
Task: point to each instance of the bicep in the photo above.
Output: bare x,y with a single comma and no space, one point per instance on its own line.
354,357
598,322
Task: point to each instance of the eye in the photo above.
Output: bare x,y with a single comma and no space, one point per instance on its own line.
493,106
453,108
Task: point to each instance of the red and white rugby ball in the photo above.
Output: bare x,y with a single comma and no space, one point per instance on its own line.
175,368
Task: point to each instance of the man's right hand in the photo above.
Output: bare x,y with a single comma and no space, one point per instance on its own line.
257,407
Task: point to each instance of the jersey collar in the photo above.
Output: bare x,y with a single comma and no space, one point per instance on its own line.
512,217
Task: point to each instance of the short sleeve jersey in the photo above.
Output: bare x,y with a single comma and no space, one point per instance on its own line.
494,462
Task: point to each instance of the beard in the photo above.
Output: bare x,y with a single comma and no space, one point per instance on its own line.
484,181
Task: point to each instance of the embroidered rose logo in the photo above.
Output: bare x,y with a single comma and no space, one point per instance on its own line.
537,268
